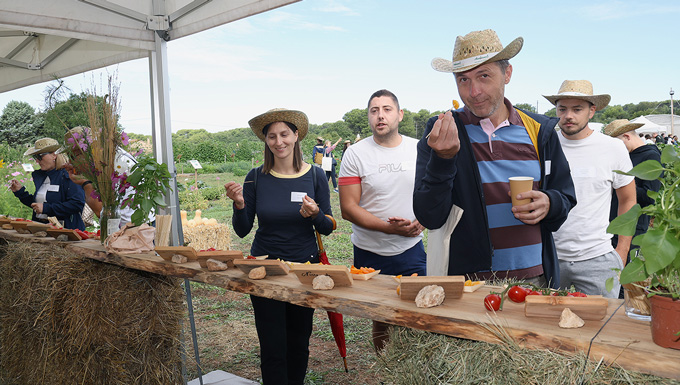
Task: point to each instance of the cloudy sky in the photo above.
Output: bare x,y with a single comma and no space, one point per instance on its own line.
325,57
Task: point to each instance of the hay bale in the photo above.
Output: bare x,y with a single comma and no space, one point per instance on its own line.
66,319
416,357
203,237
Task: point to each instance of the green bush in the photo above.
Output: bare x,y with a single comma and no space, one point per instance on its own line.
191,200
211,193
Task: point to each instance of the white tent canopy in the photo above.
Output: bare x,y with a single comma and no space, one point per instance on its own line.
649,126
43,40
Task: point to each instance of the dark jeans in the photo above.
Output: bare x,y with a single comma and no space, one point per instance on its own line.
411,261
331,174
283,330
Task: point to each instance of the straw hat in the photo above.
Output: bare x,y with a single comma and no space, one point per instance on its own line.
579,89
620,126
477,48
43,146
297,118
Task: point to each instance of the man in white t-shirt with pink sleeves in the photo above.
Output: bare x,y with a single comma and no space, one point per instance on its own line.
376,182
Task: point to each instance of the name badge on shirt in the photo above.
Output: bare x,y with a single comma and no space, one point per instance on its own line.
53,187
548,164
296,196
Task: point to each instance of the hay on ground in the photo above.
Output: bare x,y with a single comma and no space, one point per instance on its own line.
70,320
414,357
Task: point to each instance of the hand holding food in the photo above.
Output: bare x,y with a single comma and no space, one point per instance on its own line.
235,193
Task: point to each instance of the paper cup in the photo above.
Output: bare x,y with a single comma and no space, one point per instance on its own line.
518,185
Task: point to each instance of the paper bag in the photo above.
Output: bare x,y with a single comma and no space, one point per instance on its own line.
131,239
439,243
327,163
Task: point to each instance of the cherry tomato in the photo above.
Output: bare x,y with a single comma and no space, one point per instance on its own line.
578,294
534,292
492,302
517,294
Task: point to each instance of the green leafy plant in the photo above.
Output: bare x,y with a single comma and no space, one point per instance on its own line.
660,245
150,181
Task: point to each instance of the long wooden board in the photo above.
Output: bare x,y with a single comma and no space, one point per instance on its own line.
622,340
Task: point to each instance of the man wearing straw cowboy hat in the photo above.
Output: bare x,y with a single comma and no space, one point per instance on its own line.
639,151
583,245
466,157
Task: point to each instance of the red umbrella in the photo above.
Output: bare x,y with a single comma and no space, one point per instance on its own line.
337,327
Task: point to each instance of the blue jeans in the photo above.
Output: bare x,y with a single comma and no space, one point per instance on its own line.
411,261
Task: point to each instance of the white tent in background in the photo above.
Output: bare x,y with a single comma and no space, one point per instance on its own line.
649,126
43,40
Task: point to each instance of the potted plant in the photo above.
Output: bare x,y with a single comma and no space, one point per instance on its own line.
659,257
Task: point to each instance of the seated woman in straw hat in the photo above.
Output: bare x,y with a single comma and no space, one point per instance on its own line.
55,194
291,199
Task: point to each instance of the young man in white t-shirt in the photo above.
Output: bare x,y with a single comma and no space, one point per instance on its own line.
376,182
586,255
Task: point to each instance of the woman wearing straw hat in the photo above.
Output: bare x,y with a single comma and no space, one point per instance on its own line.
291,199
55,194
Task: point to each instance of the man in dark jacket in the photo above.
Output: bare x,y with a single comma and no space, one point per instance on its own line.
465,158
639,152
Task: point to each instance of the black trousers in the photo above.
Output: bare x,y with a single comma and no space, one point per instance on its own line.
283,330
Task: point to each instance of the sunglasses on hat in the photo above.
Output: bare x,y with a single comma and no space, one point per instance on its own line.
39,157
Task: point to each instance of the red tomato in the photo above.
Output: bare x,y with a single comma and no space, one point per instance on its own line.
517,294
534,292
492,302
578,294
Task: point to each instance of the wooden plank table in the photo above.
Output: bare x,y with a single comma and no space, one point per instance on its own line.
623,341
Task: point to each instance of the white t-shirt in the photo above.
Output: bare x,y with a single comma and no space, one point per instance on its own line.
592,161
387,180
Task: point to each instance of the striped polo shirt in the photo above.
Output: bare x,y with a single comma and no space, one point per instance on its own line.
502,152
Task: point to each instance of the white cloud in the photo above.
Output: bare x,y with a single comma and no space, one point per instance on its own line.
333,6
294,21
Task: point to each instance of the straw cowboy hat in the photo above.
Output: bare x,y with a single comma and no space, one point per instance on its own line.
43,146
579,89
620,126
297,118
477,48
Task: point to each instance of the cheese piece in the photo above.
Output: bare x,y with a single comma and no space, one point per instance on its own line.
430,296
569,320
257,273
323,282
215,265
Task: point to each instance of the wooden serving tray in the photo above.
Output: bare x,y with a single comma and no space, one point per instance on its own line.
365,277
227,256
307,272
273,266
473,288
20,224
5,221
547,306
72,235
36,227
166,252
453,285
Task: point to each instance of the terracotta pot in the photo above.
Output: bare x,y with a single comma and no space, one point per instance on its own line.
665,321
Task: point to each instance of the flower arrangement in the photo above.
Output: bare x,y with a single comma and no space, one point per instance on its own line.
93,150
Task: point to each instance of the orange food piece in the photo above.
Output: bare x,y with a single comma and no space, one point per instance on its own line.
363,270
414,275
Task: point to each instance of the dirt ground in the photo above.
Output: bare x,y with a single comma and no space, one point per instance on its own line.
227,341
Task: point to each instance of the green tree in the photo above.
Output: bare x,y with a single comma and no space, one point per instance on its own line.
357,121
19,124
526,107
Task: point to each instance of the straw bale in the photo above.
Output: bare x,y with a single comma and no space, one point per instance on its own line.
203,237
66,319
414,357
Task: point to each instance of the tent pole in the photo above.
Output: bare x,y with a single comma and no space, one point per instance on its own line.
163,152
